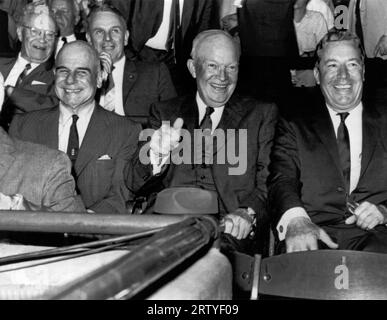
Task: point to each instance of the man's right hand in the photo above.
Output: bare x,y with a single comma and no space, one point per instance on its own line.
106,64
166,138
303,235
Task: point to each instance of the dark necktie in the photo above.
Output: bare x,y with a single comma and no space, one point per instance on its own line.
73,145
23,74
206,126
344,148
358,26
207,122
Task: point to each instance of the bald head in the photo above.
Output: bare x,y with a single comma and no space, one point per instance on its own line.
79,48
77,74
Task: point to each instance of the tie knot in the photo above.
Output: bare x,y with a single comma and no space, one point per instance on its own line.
75,118
343,116
64,39
209,111
28,66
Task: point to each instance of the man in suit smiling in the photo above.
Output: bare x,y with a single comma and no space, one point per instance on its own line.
97,141
327,185
29,77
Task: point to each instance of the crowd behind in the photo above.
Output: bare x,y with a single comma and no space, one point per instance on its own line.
81,79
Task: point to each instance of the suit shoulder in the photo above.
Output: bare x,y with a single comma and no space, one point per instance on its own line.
39,152
118,121
251,105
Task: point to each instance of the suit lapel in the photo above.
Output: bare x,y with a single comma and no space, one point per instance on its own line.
48,129
44,67
95,140
188,9
8,67
324,129
370,137
129,79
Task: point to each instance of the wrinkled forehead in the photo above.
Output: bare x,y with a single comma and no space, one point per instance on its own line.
77,57
341,50
41,21
62,4
218,47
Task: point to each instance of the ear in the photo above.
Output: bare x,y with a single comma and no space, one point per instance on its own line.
191,67
126,38
88,38
316,74
19,32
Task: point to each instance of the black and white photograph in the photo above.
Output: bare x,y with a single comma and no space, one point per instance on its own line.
193,155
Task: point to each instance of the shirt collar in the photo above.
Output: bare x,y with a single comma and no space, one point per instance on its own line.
24,61
355,112
202,107
66,113
70,38
120,63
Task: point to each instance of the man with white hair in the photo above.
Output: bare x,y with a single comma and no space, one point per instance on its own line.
29,77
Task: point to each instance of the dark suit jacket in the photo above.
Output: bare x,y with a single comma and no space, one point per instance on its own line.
266,28
145,18
36,92
100,182
305,167
145,83
234,191
38,173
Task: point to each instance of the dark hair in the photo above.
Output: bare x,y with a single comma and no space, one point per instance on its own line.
105,7
336,35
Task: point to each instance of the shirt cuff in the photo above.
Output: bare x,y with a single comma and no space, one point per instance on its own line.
285,219
157,162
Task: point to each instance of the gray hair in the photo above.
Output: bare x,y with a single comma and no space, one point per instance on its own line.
34,9
205,35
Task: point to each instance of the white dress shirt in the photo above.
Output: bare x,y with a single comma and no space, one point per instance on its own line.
159,40
60,44
118,78
355,130
17,70
65,122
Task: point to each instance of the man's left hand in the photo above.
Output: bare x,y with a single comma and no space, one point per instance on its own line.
381,47
367,216
236,225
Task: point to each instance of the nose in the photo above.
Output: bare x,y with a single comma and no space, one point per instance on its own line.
70,79
222,74
107,36
343,72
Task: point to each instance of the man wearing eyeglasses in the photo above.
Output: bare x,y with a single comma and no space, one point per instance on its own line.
248,128
29,77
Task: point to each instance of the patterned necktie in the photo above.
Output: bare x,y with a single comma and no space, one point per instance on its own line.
206,126
23,74
73,144
108,94
344,149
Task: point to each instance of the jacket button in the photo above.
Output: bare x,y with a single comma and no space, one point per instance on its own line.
340,189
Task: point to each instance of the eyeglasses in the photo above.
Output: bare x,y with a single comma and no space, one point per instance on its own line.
49,35
214,68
